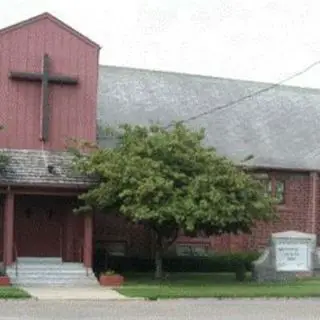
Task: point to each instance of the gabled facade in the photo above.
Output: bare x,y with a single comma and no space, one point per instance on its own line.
48,94
71,106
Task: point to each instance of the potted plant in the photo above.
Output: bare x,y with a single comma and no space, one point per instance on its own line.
4,279
110,278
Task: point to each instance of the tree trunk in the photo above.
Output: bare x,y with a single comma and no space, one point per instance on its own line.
161,247
158,260
158,257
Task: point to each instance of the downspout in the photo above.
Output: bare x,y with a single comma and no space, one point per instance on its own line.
313,202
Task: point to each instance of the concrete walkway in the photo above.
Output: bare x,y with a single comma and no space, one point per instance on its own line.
74,293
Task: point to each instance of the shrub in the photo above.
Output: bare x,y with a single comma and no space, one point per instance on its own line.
108,273
240,271
239,263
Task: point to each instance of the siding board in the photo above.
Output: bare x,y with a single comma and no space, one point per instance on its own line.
72,108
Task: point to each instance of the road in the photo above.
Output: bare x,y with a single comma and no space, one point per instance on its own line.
308,309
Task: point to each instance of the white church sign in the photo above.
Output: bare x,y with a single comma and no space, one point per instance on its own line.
292,255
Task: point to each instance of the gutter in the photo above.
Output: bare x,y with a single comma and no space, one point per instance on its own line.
46,185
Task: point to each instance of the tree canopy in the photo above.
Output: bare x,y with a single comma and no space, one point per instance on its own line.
170,181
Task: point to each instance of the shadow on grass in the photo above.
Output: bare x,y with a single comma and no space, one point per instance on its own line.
216,285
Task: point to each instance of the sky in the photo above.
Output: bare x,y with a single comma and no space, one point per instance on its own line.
260,40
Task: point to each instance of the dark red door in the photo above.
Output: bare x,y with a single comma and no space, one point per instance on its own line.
38,233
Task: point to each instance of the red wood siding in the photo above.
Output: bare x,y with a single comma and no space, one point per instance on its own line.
72,109
37,233
73,236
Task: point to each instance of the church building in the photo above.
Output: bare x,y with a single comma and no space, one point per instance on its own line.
52,88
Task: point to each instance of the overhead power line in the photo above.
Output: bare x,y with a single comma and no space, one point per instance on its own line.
256,93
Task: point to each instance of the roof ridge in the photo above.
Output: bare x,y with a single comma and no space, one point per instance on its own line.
47,15
195,75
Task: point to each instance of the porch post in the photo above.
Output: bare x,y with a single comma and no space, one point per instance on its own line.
87,241
8,228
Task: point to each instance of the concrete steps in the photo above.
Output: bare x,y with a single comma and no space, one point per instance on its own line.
50,272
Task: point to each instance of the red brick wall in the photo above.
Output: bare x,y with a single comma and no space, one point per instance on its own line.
297,213
294,214
110,228
317,200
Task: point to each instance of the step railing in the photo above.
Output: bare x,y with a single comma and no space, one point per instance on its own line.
79,249
61,242
81,253
16,258
80,257
2,253
2,264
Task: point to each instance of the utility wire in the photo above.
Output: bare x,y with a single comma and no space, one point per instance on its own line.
234,102
256,93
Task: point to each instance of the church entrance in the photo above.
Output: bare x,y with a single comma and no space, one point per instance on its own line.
38,227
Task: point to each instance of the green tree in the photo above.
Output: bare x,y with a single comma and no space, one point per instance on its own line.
169,181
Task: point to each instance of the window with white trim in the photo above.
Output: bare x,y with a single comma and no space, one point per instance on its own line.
275,188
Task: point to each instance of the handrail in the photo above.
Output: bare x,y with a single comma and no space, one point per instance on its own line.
81,252
78,251
2,260
61,242
16,255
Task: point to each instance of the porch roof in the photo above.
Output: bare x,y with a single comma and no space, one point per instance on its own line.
30,167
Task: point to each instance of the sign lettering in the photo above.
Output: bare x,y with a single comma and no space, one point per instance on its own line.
292,257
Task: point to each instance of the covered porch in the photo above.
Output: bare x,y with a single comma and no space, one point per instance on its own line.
40,223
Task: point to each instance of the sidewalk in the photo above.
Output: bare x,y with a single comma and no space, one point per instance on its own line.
74,293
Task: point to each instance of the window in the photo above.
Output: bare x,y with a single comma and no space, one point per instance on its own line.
112,248
279,191
275,188
267,187
183,250
116,248
191,250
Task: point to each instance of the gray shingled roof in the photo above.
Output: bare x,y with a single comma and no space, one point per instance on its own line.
30,167
279,127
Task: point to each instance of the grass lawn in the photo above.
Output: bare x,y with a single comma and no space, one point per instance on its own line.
214,285
13,293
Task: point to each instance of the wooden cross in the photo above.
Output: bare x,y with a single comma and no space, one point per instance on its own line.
45,79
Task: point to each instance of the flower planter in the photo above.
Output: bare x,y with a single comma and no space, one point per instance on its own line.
4,281
114,280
